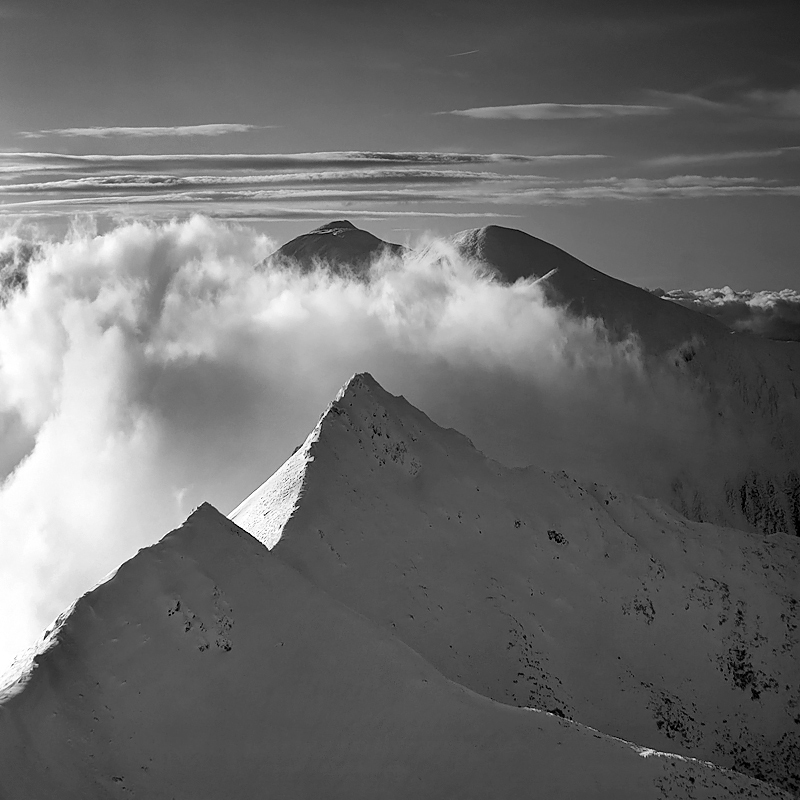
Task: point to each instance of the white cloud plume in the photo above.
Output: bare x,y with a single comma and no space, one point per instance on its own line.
154,367
548,111
774,314
208,129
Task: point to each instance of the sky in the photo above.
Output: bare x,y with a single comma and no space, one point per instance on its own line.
658,144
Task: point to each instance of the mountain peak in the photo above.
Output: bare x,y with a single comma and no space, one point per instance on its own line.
360,383
340,245
337,224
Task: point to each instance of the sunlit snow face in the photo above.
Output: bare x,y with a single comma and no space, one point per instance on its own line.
154,367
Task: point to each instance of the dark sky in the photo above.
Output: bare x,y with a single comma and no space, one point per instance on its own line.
683,122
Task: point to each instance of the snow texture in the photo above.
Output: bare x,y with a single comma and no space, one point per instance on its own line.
206,668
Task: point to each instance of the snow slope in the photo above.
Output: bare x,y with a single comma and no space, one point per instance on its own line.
534,589
206,668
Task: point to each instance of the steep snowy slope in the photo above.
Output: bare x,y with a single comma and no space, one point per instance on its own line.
536,590
206,668
339,244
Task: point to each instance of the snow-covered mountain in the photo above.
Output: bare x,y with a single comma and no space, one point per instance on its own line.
207,668
535,589
338,244
418,601
394,613
747,471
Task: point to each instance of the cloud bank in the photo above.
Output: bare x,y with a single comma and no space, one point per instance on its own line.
775,315
154,367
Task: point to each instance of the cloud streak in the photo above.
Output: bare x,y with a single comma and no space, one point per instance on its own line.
138,132
25,161
177,197
551,111
678,159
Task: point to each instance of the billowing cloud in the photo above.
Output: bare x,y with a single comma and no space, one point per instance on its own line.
547,111
774,314
154,367
209,129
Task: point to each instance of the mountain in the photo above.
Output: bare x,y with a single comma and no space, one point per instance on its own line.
207,668
584,291
748,387
339,244
751,385
536,589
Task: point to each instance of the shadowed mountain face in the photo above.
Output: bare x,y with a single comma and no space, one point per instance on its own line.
536,589
339,244
207,668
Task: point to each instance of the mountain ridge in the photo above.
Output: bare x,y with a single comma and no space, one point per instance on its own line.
505,579
205,669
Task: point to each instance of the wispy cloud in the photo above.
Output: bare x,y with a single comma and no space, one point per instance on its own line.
772,107
210,129
780,103
244,161
642,189
691,101
454,197
730,155
548,111
153,182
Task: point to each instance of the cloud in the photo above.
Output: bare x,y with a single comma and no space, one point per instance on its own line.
547,111
675,187
358,192
367,193
780,103
775,315
369,176
210,129
153,367
728,155
28,161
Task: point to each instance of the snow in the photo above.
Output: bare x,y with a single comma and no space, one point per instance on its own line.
536,589
207,668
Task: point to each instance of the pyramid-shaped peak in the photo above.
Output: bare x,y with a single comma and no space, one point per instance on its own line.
361,383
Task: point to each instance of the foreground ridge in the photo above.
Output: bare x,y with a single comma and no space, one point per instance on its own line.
207,668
